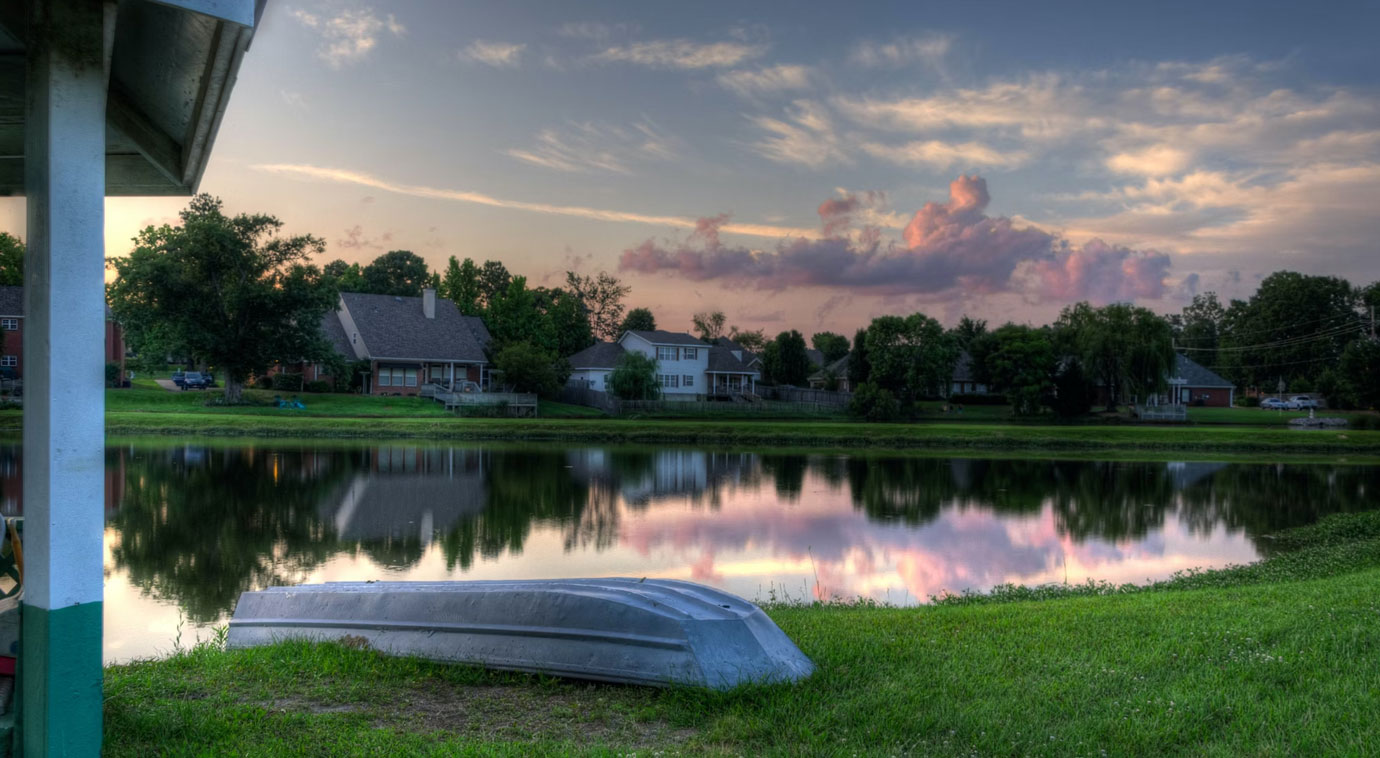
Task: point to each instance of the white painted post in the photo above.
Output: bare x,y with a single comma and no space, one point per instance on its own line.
64,432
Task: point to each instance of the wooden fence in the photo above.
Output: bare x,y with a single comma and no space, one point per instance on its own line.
805,395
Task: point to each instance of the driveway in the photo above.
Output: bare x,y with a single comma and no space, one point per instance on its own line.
167,384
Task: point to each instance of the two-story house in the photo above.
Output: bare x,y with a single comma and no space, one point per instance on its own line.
687,368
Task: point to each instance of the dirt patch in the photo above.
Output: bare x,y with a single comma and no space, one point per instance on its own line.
579,713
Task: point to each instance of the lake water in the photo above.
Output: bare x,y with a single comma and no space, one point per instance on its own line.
190,527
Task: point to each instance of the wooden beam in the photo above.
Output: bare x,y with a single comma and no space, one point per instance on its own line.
162,151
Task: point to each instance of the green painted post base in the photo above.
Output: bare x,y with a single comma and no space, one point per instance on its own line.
60,678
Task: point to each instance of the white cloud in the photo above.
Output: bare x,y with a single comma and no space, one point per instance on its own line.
1155,160
945,155
682,53
766,81
927,49
806,138
496,54
599,147
360,179
350,35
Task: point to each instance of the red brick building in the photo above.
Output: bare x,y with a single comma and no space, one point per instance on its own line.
408,342
12,334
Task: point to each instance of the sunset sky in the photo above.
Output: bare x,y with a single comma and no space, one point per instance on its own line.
811,166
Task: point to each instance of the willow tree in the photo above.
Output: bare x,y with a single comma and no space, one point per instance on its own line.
228,291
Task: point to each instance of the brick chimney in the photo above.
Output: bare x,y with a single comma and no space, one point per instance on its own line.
429,302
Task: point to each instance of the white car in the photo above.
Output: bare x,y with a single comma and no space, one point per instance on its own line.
1274,404
1302,402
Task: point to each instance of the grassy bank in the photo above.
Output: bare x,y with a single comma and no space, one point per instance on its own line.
151,411
1270,661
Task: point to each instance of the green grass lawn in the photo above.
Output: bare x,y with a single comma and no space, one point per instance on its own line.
1275,662
1258,417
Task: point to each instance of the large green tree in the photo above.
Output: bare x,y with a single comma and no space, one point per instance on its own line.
529,368
1019,362
637,320
493,282
11,260
512,316
709,325
754,340
602,296
460,285
859,367
1124,348
784,361
397,272
347,277
833,346
911,356
1198,330
968,330
567,323
227,290
1293,328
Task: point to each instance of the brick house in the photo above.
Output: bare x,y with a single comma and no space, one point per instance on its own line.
408,341
12,334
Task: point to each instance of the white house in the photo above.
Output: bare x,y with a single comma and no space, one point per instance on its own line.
687,368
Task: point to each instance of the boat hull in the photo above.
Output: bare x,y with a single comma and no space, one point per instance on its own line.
651,632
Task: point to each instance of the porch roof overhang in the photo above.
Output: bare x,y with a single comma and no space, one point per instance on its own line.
172,64
456,361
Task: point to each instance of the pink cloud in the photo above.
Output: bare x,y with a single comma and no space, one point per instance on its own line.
946,246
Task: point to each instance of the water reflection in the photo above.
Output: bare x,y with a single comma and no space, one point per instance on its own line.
191,527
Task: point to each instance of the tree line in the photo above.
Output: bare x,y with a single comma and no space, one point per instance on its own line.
234,292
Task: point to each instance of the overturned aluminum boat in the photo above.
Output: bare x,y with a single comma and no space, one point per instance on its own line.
656,632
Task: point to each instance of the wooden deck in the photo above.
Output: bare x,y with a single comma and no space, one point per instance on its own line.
517,403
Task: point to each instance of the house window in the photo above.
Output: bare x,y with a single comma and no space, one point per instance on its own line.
687,381
670,380
385,377
9,324
665,353
9,361
411,375
436,374
689,353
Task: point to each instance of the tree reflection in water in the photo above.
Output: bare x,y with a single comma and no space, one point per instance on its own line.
199,525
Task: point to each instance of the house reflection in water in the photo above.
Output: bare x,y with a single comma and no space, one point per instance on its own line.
12,480
407,494
640,478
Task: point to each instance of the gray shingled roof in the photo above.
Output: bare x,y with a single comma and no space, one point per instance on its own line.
11,301
838,368
395,327
722,360
1195,375
663,337
334,332
598,355
749,357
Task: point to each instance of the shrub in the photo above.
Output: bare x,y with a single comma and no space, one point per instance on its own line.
1251,401
528,368
873,403
264,382
319,385
284,382
112,375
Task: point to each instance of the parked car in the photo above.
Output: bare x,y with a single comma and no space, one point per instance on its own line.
195,380
179,377
1302,402
1274,404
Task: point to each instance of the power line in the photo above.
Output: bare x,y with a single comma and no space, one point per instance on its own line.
1335,320
1328,334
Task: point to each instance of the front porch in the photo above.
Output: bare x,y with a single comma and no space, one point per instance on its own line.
412,377
723,384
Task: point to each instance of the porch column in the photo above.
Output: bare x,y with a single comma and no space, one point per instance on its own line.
64,407
452,376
